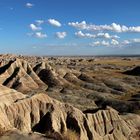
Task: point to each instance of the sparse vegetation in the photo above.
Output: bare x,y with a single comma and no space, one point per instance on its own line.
70,135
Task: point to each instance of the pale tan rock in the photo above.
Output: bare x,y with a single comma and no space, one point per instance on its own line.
41,113
18,74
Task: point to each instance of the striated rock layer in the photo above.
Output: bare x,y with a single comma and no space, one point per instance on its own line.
19,75
42,114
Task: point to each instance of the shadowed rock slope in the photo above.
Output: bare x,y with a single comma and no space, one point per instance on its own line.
135,71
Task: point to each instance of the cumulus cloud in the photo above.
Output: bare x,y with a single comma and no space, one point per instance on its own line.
94,44
114,42
40,35
61,35
54,22
130,41
34,27
29,5
37,35
79,25
100,43
105,43
136,40
116,27
113,27
39,22
106,36
126,42
80,34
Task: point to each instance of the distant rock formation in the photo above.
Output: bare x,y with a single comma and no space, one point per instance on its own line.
68,85
135,71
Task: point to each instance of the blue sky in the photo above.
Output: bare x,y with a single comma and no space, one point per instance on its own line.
70,27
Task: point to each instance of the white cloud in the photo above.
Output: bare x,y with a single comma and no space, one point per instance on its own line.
29,5
98,43
37,35
94,44
136,40
34,27
134,29
113,27
80,34
82,25
114,42
39,22
106,36
54,22
126,42
131,41
61,35
124,28
116,27
40,35
115,36
105,43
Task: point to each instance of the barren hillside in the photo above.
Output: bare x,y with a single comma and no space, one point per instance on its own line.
46,97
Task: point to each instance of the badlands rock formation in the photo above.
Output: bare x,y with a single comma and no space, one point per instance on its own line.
98,100
135,71
19,75
40,113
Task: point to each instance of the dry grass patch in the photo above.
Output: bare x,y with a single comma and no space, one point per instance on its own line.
70,135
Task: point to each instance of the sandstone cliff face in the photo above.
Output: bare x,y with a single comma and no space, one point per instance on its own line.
42,114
